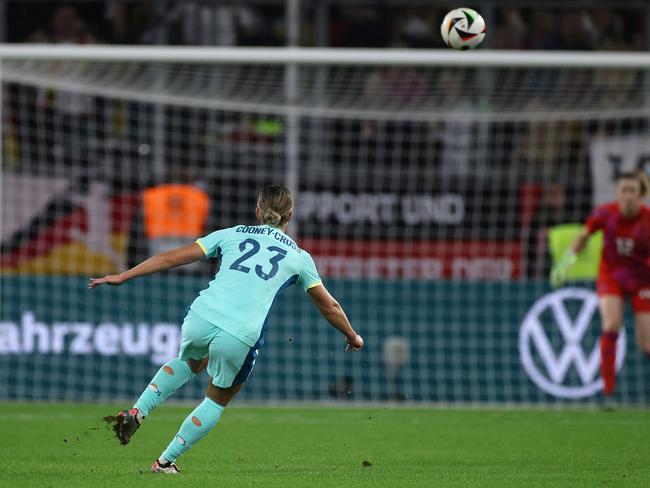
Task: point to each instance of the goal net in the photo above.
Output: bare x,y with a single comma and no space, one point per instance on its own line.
433,189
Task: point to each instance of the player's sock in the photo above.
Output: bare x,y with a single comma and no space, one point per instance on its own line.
608,360
195,427
167,380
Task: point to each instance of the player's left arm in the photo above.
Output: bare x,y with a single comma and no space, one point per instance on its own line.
335,315
160,262
326,304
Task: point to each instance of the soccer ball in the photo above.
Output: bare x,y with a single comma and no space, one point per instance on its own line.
463,29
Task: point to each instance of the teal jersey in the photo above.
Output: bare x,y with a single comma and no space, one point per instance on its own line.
257,263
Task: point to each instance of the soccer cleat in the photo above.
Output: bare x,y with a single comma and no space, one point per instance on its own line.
168,468
608,403
124,424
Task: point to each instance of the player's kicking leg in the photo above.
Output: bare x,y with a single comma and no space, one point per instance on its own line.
195,427
167,380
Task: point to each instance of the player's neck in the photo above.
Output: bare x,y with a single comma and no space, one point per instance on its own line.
630,213
282,228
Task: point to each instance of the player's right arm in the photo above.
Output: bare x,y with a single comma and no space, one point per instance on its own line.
160,262
204,247
562,267
580,241
335,315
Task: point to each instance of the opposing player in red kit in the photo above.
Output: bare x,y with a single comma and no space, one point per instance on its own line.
624,267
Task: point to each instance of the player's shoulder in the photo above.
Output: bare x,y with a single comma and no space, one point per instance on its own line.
224,232
306,256
609,208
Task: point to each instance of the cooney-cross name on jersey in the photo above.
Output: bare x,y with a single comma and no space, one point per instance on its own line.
279,236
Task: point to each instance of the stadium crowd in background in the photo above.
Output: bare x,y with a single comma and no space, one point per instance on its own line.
139,22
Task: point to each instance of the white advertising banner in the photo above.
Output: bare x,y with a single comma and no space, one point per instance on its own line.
611,156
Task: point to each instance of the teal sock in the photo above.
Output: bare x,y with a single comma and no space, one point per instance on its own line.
195,427
167,380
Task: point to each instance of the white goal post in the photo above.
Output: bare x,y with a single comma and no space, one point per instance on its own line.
427,183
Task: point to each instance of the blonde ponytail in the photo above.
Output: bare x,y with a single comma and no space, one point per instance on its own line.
271,217
645,182
276,204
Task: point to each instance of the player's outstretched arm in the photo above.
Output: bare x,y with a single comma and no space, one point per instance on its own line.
561,268
159,262
333,312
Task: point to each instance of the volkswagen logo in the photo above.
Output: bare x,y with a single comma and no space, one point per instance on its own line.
548,362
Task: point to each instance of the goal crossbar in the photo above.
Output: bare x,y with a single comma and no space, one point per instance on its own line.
323,56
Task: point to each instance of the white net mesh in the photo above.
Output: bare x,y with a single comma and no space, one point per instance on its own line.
423,193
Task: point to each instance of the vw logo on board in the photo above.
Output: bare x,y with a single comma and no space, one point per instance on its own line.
550,370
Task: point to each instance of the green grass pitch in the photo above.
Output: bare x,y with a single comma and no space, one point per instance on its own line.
66,445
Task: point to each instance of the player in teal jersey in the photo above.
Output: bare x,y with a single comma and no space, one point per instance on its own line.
224,327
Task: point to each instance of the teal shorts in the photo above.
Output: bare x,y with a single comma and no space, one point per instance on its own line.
230,361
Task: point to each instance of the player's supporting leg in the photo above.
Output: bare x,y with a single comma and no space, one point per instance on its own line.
196,426
230,362
611,311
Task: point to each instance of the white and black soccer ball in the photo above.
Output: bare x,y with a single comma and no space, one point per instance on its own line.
463,29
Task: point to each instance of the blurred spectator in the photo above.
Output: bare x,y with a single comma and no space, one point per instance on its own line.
202,23
10,146
174,214
66,28
67,112
455,133
125,22
551,211
257,27
573,33
392,88
511,32
613,29
605,27
360,27
542,31
415,29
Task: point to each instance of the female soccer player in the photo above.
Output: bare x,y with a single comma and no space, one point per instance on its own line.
624,267
224,327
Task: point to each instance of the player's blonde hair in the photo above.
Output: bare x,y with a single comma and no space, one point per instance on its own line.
641,177
276,204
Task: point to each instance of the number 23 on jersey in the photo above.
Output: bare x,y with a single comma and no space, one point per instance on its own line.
250,247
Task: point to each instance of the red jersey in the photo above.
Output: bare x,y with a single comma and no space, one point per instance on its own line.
626,249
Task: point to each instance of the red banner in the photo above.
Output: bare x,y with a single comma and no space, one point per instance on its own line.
475,260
